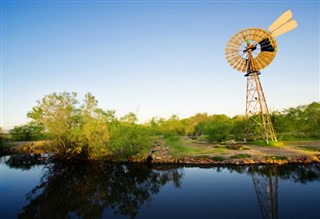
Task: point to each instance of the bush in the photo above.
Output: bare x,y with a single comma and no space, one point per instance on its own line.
28,132
127,140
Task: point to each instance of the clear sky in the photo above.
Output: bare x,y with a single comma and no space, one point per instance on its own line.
154,58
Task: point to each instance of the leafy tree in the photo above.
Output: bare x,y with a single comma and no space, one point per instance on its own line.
129,118
193,125
298,122
311,119
87,131
1,137
171,126
127,140
91,134
218,129
75,130
58,114
238,124
28,132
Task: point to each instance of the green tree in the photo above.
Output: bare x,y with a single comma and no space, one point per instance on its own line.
27,132
311,120
91,133
87,131
127,140
58,114
219,128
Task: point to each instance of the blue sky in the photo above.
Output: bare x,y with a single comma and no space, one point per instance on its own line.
154,58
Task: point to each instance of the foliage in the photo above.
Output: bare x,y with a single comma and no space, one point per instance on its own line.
58,114
1,137
84,130
240,156
171,126
28,132
299,122
302,122
91,133
87,131
128,139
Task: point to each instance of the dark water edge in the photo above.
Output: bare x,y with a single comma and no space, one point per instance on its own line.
32,187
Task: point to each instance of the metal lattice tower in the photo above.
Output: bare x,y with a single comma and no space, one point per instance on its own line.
266,188
249,51
258,121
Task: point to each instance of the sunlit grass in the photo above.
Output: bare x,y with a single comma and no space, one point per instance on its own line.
180,150
240,156
271,143
305,148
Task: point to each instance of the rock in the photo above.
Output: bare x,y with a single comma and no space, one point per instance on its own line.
231,142
236,163
249,161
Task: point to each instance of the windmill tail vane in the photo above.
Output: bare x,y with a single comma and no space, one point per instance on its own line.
249,51
283,24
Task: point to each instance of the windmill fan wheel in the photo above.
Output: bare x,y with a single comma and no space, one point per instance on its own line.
251,50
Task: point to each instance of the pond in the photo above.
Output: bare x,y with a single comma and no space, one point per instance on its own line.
31,187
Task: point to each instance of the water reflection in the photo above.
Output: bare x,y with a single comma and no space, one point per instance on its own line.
92,189
23,161
87,189
265,181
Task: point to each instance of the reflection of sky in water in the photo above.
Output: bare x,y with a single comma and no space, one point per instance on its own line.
205,193
215,192
14,185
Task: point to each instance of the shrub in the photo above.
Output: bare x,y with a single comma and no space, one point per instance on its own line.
128,140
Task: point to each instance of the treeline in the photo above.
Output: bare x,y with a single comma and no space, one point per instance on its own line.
302,122
84,130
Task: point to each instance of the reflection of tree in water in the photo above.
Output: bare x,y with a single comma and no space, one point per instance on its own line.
296,173
25,161
85,190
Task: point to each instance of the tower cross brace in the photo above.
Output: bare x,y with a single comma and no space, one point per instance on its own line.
258,121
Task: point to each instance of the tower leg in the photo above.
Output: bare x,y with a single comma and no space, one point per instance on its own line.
258,122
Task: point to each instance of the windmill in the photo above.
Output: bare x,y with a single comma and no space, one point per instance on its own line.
249,51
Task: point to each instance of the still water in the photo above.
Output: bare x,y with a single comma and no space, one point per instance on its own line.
32,188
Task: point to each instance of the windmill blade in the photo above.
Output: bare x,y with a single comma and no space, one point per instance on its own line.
285,28
268,48
285,17
265,41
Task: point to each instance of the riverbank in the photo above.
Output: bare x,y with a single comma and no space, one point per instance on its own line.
190,151
193,152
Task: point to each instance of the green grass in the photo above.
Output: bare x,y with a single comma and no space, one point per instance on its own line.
240,156
244,149
220,146
264,144
181,150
